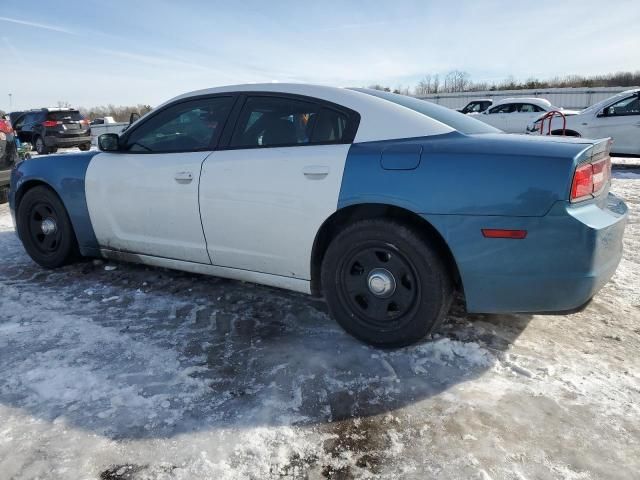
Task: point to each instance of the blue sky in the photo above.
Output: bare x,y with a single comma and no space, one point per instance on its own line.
126,52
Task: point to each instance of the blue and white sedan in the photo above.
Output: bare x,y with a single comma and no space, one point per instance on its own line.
383,204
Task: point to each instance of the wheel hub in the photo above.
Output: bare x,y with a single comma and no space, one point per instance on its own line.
381,282
48,226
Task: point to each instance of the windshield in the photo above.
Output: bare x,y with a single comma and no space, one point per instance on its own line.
603,103
456,120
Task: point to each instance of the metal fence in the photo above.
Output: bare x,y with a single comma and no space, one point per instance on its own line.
574,98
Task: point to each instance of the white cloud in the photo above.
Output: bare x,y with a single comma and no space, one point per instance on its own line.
42,26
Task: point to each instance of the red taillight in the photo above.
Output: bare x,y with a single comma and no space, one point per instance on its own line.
5,126
590,179
49,123
502,233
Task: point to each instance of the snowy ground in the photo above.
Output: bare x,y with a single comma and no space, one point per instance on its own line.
114,372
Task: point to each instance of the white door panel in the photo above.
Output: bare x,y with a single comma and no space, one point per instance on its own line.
262,207
494,119
147,204
517,122
623,129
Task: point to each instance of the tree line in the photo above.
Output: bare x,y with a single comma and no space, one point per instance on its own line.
460,81
119,113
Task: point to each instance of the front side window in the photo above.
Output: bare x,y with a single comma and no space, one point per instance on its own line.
278,121
193,125
628,106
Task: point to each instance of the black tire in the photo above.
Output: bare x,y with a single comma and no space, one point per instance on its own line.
84,147
40,146
51,249
566,133
371,254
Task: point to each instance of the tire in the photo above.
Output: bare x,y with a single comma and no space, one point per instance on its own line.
40,146
84,147
567,133
385,284
55,247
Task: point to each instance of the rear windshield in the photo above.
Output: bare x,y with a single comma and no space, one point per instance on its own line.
456,120
69,115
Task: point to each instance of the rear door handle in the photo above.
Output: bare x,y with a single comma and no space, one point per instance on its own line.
184,177
315,172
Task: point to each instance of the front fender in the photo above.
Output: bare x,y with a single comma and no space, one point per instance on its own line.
64,174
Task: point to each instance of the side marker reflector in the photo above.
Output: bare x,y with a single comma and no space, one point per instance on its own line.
501,233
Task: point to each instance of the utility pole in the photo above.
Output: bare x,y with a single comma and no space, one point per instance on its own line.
11,101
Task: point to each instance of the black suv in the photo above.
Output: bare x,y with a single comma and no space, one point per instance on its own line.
49,128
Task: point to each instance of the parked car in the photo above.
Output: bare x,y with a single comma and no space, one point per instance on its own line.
477,106
48,129
382,203
513,115
8,156
617,117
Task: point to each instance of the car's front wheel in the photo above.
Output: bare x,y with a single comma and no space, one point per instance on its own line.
385,283
44,228
84,147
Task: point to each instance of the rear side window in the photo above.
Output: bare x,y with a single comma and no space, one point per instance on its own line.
187,126
67,115
505,108
529,108
267,121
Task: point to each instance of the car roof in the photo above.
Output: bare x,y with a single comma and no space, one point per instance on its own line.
379,118
541,102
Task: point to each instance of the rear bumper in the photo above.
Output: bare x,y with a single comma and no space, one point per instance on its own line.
51,141
567,256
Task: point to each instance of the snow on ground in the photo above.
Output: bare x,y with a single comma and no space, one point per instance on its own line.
114,371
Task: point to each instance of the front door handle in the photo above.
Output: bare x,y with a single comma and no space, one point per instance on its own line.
184,177
315,172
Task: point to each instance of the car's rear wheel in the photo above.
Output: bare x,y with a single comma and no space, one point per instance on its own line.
385,284
44,228
84,147
40,146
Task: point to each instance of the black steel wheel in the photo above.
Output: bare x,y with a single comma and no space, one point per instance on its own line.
44,228
385,284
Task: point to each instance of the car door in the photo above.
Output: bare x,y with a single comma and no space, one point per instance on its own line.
621,122
525,114
264,197
25,125
144,198
498,116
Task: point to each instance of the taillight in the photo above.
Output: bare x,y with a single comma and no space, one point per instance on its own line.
590,179
49,123
5,126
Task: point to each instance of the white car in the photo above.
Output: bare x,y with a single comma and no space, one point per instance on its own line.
513,115
617,117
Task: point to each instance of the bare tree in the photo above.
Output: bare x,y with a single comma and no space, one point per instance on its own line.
119,113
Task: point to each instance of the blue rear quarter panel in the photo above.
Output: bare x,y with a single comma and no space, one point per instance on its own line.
65,174
464,184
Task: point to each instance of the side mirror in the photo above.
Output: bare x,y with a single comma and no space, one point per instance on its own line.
602,113
109,142
133,117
